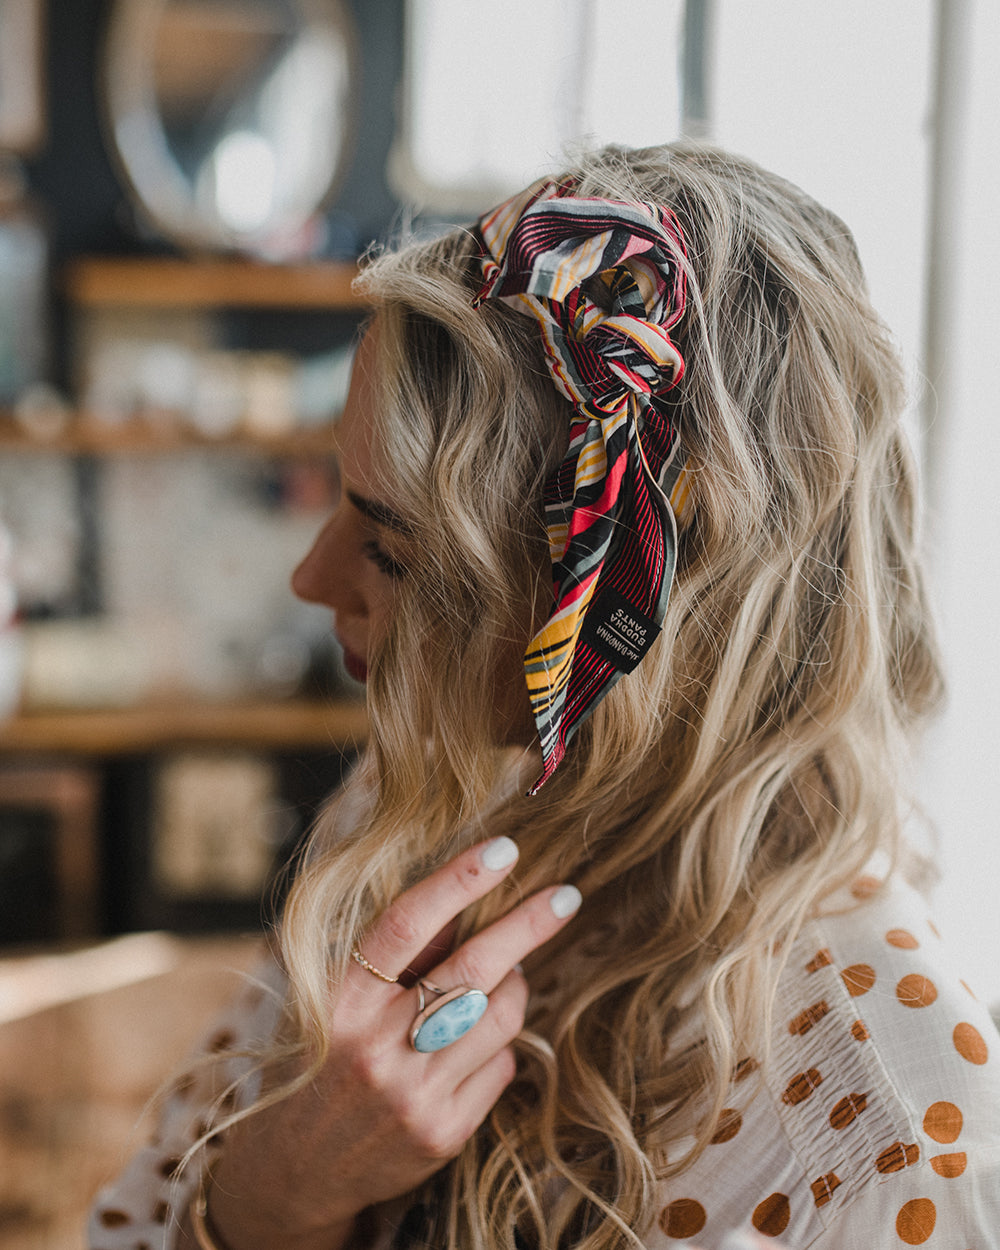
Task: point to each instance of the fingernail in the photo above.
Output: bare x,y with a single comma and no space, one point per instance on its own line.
499,853
565,901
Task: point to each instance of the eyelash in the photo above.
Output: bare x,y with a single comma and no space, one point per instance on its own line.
382,560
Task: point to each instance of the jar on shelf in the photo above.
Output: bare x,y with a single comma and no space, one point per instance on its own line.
24,286
11,641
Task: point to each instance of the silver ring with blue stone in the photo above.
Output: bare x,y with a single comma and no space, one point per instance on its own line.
449,1017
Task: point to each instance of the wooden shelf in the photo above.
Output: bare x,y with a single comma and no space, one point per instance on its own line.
267,726
90,436
163,282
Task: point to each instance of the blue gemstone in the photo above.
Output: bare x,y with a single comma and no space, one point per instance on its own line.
450,1021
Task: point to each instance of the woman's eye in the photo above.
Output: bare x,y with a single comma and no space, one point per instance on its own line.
381,559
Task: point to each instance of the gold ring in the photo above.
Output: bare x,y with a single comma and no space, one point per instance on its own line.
357,956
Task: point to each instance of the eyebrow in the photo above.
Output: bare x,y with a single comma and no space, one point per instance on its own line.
379,513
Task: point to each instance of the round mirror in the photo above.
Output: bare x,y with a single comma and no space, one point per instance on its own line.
231,118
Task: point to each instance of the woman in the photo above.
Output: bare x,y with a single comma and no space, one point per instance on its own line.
627,523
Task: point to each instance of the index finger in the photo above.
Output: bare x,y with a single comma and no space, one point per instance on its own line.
410,922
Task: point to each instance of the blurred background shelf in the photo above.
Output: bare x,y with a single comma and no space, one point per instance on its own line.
263,725
86,435
167,282
166,815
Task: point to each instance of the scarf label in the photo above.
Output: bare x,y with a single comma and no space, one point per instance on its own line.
617,630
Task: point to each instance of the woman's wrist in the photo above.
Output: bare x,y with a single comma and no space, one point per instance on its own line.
205,1234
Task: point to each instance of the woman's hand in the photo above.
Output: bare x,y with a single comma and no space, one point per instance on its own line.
380,1118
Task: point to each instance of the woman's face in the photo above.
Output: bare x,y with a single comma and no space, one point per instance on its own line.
356,566
350,567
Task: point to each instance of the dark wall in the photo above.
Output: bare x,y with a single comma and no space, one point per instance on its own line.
88,207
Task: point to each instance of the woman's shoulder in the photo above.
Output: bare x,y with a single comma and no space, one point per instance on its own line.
874,1120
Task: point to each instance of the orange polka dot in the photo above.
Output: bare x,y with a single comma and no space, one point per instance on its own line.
915,1221
967,989
683,1218
821,959
915,990
746,1067
804,1021
897,1156
865,887
950,1165
823,1187
903,939
858,979
730,1123
772,1215
859,1031
846,1110
801,1086
969,1043
115,1219
943,1121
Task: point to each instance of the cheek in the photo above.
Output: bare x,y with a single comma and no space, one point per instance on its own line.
381,604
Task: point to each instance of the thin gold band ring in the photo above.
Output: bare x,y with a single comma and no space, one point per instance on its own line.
358,958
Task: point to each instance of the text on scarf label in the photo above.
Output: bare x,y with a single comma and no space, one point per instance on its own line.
617,630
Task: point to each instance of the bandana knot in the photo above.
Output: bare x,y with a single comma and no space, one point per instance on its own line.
605,281
602,278
620,351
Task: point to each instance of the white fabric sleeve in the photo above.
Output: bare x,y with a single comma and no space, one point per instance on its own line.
140,1209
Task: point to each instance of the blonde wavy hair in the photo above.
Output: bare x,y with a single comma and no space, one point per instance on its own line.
743,772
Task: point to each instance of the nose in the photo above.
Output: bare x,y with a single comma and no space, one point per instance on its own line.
322,575
305,580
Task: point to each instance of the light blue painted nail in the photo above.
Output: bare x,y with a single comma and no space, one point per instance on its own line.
499,853
450,1021
565,901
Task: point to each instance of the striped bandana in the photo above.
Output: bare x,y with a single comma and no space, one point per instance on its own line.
603,281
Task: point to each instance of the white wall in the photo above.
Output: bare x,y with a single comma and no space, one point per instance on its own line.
962,782
835,97
839,98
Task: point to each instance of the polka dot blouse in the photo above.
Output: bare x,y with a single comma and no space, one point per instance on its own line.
875,1122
